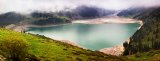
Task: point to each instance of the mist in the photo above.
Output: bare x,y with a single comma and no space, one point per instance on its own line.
26,6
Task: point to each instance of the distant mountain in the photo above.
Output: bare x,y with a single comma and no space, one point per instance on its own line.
43,18
148,14
35,18
10,18
49,18
86,12
131,12
148,37
38,14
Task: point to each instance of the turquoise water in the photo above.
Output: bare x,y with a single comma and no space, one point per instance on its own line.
91,36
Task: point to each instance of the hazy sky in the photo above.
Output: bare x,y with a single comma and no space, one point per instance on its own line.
55,5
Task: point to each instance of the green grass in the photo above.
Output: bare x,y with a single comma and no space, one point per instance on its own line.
47,49
153,55
52,50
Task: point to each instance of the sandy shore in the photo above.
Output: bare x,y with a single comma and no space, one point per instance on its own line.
18,28
108,20
116,50
72,43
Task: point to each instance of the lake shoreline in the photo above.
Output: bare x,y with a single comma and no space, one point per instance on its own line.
104,20
115,50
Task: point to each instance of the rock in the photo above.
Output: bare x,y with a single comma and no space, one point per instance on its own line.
117,50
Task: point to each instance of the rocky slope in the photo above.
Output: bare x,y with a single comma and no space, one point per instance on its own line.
148,36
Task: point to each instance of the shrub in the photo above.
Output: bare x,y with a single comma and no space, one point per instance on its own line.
14,47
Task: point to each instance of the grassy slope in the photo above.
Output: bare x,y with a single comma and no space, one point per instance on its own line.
47,49
153,55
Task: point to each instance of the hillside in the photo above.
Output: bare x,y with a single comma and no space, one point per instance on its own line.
148,37
42,18
153,55
132,12
10,18
34,18
45,49
86,12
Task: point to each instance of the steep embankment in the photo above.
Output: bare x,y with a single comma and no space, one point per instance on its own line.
45,49
148,36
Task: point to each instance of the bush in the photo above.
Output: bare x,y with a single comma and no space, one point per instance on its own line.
14,48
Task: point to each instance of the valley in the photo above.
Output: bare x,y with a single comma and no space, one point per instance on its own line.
81,33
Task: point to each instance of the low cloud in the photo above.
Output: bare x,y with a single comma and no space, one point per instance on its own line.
56,5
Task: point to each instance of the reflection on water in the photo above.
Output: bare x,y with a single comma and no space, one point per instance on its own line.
92,36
